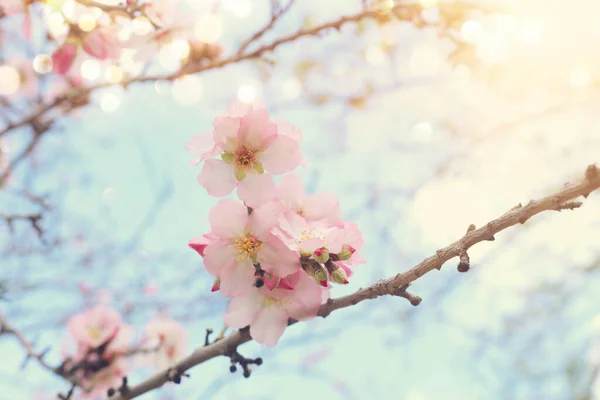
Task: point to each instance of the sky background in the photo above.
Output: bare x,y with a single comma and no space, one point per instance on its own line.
439,145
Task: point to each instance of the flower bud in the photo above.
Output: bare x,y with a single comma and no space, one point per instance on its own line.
321,255
320,274
216,285
346,253
339,276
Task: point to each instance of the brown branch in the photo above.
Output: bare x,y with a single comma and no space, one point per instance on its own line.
7,329
394,286
274,18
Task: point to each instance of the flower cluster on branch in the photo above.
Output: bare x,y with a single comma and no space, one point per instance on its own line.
277,250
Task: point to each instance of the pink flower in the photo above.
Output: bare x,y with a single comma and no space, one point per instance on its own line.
267,312
95,327
63,57
249,143
321,206
245,240
102,44
169,337
199,244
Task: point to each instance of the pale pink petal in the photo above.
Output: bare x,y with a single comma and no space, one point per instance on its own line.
287,129
226,132
282,155
217,177
291,191
256,127
228,218
277,259
203,144
242,310
237,280
268,326
238,109
322,206
218,256
307,299
256,189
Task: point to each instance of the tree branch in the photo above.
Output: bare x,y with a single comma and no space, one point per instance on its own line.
392,286
6,329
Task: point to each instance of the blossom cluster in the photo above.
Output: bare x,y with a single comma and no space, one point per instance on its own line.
100,349
89,41
277,250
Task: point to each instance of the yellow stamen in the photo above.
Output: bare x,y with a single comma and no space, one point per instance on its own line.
245,158
246,246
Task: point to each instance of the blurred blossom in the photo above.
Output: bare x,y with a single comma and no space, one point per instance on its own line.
141,26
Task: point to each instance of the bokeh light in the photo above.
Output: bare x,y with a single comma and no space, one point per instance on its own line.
375,55
141,26
246,93
114,74
42,64
471,31
187,90
208,28
87,22
10,79
90,69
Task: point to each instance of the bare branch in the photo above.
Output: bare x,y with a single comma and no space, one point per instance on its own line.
277,13
6,329
395,286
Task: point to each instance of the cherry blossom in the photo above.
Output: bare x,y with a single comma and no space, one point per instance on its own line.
267,311
245,240
169,338
63,57
249,144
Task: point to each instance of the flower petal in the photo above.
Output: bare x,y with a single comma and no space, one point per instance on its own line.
228,218
269,326
237,280
203,144
242,310
226,132
218,256
255,127
217,177
277,259
256,190
282,155
322,206
291,191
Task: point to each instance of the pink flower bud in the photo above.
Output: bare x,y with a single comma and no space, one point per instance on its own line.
216,285
63,58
